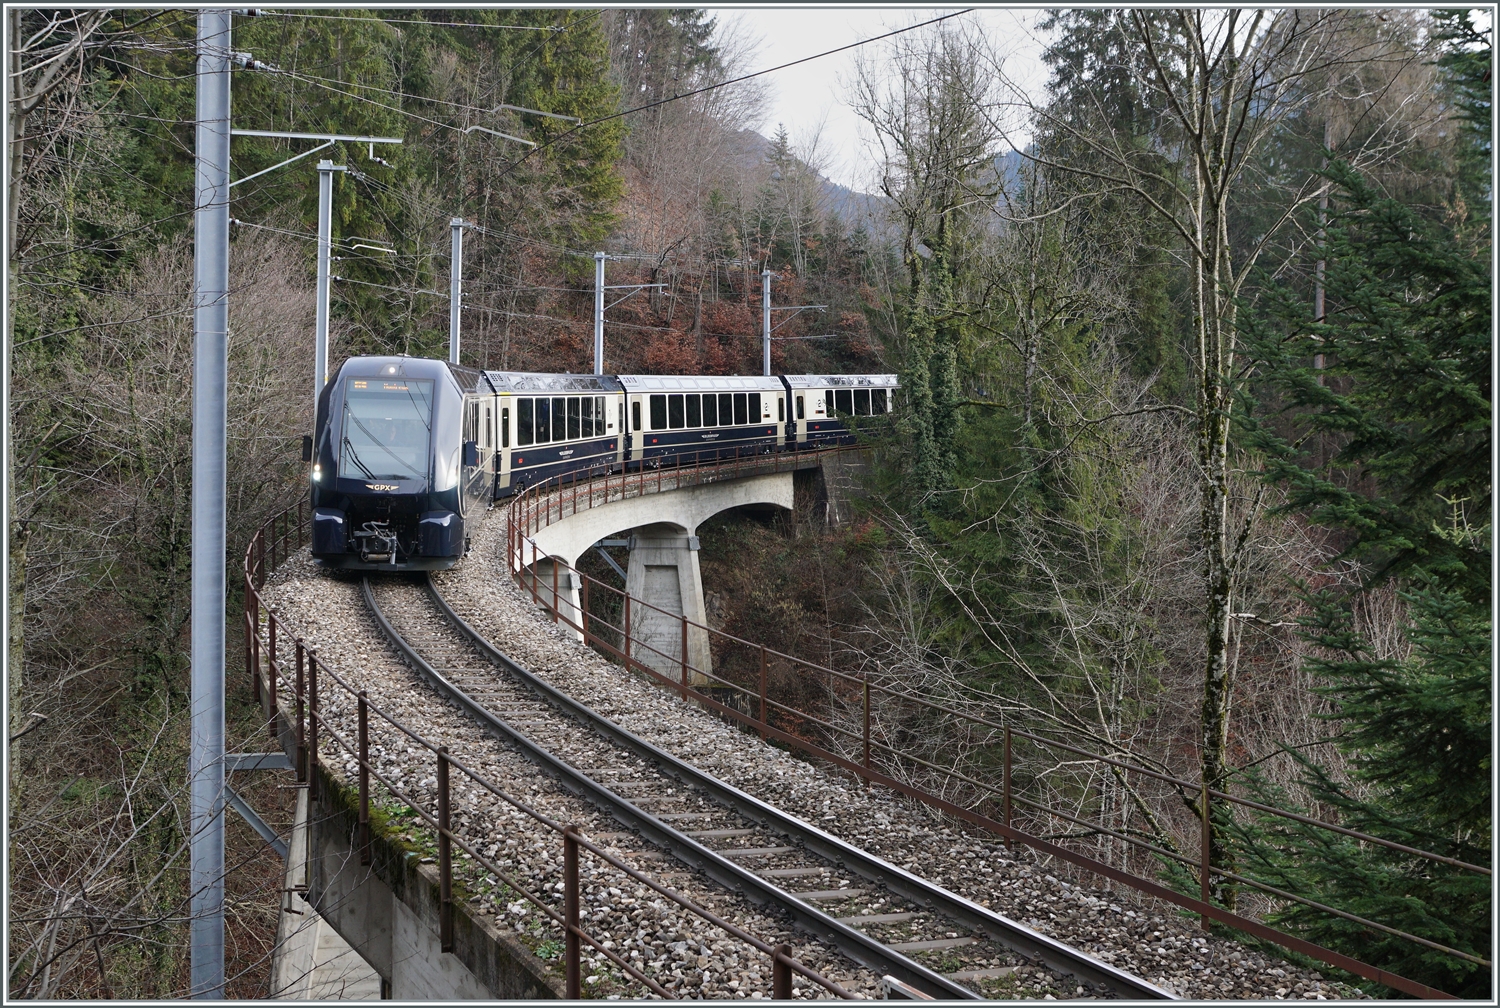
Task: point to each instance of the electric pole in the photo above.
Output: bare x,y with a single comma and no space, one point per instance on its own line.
455,287
325,249
598,313
765,321
210,377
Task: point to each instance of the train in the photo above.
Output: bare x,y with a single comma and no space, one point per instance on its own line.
407,451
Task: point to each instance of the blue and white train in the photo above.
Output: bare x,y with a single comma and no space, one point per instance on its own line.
407,449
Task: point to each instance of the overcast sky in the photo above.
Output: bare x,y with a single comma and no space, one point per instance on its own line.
803,96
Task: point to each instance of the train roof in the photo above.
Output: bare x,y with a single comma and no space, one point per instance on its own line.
373,366
693,383
521,382
842,381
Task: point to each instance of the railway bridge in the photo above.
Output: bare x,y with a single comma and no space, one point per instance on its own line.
656,515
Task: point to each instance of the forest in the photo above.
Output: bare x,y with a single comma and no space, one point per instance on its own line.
1191,465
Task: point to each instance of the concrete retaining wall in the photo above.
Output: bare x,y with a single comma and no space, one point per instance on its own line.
388,911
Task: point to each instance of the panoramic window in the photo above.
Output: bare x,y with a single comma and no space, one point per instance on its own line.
710,410
741,410
524,434
694,410
861,402
841,401
543,421
756,414
726,409
658,413
674,411
573,418
387,429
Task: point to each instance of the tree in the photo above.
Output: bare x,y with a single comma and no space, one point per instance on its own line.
938,151
1406,397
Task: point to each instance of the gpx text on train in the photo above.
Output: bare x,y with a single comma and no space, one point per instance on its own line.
408,451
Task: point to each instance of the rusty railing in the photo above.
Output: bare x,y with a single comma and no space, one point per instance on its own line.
552,500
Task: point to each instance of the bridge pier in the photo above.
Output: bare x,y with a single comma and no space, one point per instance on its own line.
568,601
664,573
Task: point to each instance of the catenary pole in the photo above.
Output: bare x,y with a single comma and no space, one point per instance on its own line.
210,377
765,321
599,313
325,251
455,287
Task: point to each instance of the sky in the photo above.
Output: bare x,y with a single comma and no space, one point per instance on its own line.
816,93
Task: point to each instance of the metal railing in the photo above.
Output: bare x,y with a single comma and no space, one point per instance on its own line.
774,718
269,674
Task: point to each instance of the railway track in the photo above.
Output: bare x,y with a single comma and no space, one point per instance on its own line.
879,915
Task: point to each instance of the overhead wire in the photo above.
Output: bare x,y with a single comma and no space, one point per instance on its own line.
327,82
736,80
394,21
316,82
303,75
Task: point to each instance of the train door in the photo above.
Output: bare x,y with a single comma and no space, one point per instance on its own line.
504,423
487,443
614,412
468,474
633,419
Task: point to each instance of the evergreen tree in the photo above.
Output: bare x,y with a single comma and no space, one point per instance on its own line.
1466,62
1405,398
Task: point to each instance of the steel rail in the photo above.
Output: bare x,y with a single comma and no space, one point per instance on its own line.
783,963
539,513
852,942
1030,943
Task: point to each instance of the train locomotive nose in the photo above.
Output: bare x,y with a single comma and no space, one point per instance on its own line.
440,534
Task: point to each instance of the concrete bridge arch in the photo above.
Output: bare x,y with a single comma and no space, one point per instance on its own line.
663,569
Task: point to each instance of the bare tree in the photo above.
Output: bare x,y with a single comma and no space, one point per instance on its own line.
928,103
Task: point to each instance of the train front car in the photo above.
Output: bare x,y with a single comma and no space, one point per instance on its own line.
826,408
394,474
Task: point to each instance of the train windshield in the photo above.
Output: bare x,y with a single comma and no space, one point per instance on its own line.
387,429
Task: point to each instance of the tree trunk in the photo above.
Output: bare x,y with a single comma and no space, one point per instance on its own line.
1031,338
1215,400
17,531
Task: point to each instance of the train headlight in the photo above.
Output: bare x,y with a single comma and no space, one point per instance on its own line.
317,473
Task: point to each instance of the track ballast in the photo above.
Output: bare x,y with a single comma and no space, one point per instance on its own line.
868,909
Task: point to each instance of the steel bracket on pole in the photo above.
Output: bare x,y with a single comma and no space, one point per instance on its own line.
236,762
